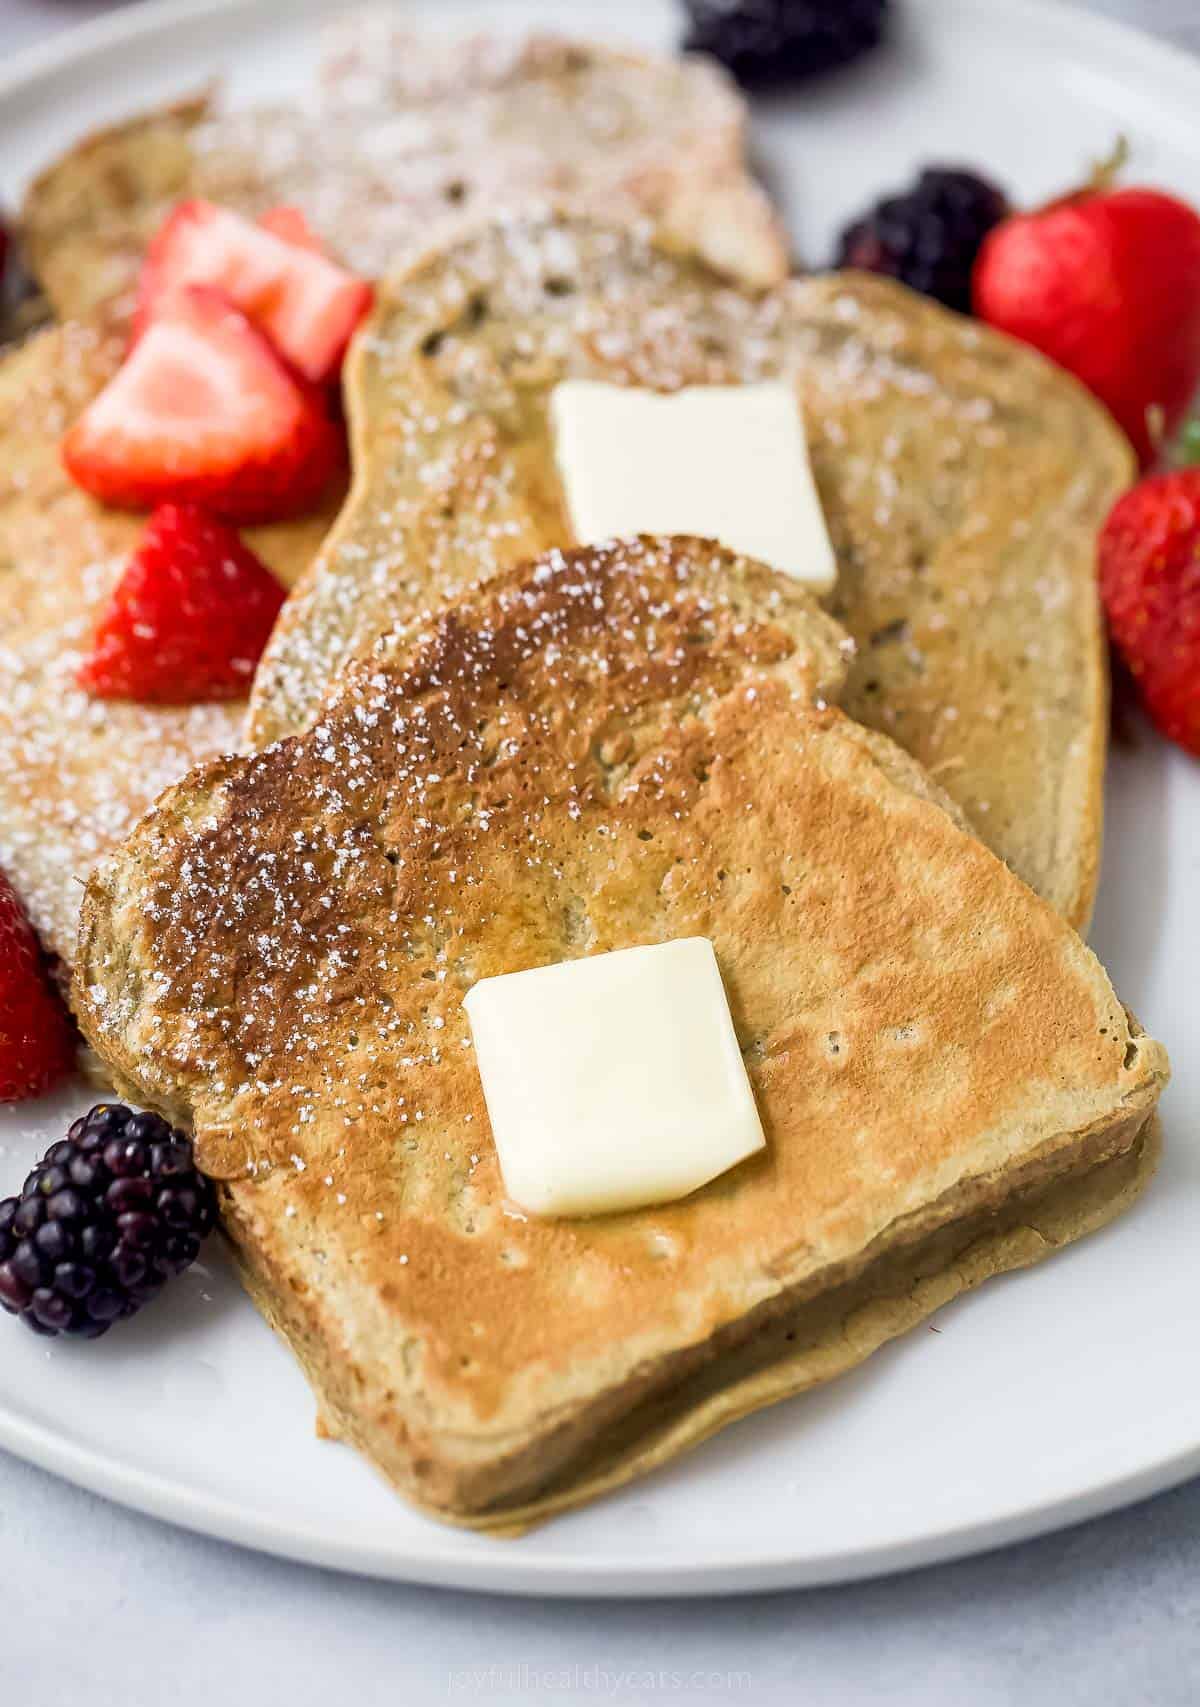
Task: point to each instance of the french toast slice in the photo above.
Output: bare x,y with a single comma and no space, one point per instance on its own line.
412,132
963,479
76,772
606,747
448,125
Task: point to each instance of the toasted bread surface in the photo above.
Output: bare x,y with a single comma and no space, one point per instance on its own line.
824,1338
88,217
413,132
76,772
963,479
795,1350
608,747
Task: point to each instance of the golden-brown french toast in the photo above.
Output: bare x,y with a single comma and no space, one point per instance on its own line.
963,479
413,133
607,747
77,772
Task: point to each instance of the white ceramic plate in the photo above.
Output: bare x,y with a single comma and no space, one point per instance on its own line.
1047,1397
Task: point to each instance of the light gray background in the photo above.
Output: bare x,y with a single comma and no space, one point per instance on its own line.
102,1607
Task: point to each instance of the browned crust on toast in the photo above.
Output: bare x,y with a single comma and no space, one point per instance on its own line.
622,745
790,1349
963,479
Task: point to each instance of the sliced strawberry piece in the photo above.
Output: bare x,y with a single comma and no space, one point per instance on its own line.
203,411
305,303
312,325
289,223
1149,563
188,619
37,1044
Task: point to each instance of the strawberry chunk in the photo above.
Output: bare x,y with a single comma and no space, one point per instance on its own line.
37,1044
274,272
188,619
289,223
203,411
1149,562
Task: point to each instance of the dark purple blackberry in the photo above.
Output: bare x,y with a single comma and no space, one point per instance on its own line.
22,307
105,1218
767,43
929,236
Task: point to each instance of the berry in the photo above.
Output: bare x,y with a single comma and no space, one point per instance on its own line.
74,1258
37,1044
772,42
1107,284
22,306
928,237
1150,583
289,223
189,617
274,272
203,411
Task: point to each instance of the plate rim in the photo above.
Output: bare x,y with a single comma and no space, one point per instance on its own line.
503,1568
513,1570
68,48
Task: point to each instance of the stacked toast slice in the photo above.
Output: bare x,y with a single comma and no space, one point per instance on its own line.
416,133
476,747
962,477
446,127
602,748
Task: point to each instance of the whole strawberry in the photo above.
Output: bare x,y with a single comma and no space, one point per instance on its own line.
1150,584
188,619
1107,284
37,1046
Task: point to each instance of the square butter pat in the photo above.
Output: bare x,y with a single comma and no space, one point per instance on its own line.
726,462
615,1081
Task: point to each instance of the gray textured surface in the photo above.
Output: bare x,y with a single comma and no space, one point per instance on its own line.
1177,20
104,1607
1107,1615
26,21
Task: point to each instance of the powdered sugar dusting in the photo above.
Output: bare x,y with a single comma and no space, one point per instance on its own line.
308,919
410,136
75,772
450,402
962,483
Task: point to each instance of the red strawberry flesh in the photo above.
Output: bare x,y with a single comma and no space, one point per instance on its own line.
273,271
37,1044
189,617
289,223
1149,561
203,411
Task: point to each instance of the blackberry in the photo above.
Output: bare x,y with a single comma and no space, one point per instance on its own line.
929,236
21,306
105,1218
771,42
